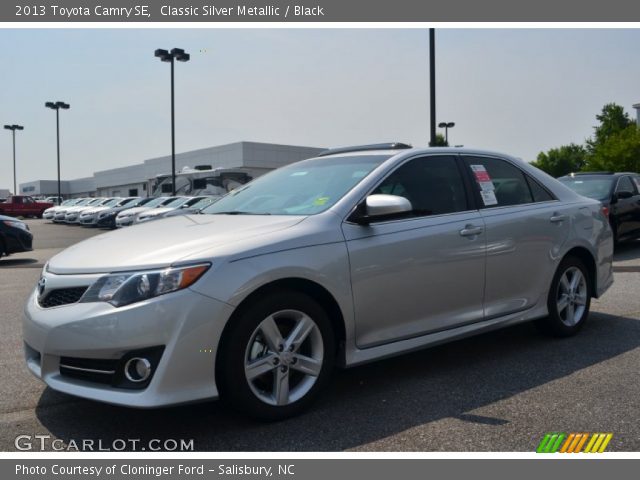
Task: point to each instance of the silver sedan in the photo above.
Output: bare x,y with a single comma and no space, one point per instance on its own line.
356,255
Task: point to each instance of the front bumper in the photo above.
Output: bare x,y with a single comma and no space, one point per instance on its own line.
124,221
187,324
71,217
88,220
107,222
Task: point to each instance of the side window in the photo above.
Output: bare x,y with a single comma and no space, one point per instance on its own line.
500,183
432,184
625,185
636,180
540,194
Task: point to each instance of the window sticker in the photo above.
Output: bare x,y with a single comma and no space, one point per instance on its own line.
483,178
318,202
488,197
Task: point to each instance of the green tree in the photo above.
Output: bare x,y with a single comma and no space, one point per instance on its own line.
620,152
440,141
563,160
613,120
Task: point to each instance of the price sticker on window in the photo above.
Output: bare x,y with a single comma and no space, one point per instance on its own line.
483,178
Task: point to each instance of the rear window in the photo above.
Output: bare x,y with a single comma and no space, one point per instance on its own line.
598,188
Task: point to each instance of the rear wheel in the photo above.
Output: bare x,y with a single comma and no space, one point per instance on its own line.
568,301
276,356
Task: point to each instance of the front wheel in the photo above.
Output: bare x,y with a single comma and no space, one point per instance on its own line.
568,301
276,356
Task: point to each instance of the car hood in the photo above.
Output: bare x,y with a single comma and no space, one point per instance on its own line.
163,243
94,210
158,211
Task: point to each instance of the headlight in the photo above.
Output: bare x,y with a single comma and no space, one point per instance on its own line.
120,289
15,223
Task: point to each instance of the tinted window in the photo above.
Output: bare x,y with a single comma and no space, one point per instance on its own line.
433,185
509,184
625,185
539,193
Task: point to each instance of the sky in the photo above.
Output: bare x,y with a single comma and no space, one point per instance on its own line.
518,91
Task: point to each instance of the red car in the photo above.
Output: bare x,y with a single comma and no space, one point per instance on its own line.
23,206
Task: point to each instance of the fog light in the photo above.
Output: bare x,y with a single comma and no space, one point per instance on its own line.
137,369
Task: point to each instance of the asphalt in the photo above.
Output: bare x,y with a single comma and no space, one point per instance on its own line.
501,391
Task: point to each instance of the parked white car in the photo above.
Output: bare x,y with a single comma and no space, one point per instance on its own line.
73,214
49,213
127,217
61,212
89,217
160,212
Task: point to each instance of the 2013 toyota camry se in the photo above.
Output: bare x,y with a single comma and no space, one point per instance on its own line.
355,255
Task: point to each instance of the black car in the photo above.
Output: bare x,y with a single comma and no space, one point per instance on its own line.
619,192
14,236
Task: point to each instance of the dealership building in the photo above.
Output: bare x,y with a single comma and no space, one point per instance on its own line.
134,179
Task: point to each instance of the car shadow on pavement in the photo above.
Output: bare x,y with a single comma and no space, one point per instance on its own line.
366,403
629,250
20,263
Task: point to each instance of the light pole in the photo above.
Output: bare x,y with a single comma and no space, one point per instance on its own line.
57,106
446,126
13,129
166,56
432,85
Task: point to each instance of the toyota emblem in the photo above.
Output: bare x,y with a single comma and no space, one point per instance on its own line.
41,284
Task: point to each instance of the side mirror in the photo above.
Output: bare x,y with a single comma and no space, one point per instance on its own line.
379,206
623,194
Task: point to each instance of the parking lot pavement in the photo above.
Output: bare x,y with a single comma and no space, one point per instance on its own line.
500,391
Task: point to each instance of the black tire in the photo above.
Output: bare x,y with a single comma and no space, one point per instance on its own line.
557,323
235,388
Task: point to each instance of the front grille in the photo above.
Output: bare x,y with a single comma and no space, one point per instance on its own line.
62,296
89,369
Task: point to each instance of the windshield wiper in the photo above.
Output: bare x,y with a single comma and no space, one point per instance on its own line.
239,212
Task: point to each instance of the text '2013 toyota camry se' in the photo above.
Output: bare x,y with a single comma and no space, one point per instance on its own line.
355,255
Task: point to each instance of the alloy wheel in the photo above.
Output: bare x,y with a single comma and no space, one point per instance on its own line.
571,297
284,357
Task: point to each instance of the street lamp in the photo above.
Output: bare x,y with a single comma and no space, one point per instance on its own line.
446,126
166,56
57,106
13,129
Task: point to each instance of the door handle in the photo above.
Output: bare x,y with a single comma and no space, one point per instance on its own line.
470,231
557,218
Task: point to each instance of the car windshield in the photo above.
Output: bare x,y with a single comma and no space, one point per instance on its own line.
131,202
203,202
112,203
176,203
597,188
155,202
304,188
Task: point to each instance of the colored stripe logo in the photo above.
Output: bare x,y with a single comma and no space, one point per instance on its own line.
556,442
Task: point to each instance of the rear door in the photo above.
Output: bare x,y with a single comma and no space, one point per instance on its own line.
525,230
423,272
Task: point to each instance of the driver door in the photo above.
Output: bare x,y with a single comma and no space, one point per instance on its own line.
424,272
